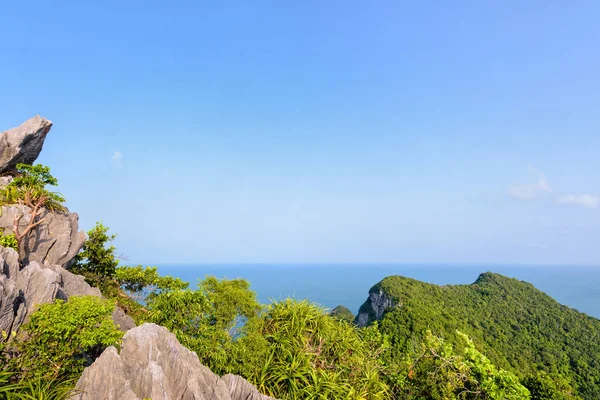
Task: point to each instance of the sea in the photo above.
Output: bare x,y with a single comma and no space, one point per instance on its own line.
331,285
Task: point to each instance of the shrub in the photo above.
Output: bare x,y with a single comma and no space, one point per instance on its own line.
310,355
62,337
9,241
29,188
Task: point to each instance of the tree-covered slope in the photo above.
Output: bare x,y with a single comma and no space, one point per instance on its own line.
517,326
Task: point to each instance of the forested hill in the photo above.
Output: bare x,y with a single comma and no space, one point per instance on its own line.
516,325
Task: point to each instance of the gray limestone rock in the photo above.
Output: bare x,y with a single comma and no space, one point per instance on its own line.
374,307
21,290
122,320
5,180
54,242
23,144
73,285
241,389
153,364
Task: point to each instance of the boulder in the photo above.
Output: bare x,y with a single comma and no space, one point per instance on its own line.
123,321
153,364
54,242
23,144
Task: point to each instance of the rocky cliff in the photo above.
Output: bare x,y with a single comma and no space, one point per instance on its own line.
151,362
40,275
374,307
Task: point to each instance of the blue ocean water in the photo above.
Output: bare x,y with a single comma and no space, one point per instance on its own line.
333,284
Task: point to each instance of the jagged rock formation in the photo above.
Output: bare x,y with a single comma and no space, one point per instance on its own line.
374,307
40,277
153,364
23,144
22,289
54,242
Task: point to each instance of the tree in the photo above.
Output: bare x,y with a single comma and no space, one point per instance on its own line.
209,319
544,386
97,256
435,371
143,283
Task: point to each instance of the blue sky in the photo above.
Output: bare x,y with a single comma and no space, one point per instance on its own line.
318,131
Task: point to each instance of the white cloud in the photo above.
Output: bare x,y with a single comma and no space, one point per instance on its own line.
584,200
117,159
530,191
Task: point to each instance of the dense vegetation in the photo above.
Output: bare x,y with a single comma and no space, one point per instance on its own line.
52,349
549,346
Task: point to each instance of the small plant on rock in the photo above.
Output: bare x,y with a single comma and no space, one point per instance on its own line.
29,189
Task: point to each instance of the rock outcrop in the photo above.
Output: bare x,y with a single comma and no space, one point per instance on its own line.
5,180
54,242
23,144
47,250
22,289
153,364
374,307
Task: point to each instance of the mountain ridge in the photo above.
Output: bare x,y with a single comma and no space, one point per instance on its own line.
519,327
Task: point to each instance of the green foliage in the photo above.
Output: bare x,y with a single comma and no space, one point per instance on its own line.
342,312
61,336
293,350
519,328
310,355
9,241
97,256
208,319
145,282
36,389
29,186
436,372
544,386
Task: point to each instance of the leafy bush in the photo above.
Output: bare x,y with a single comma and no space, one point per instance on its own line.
9,241
61,337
